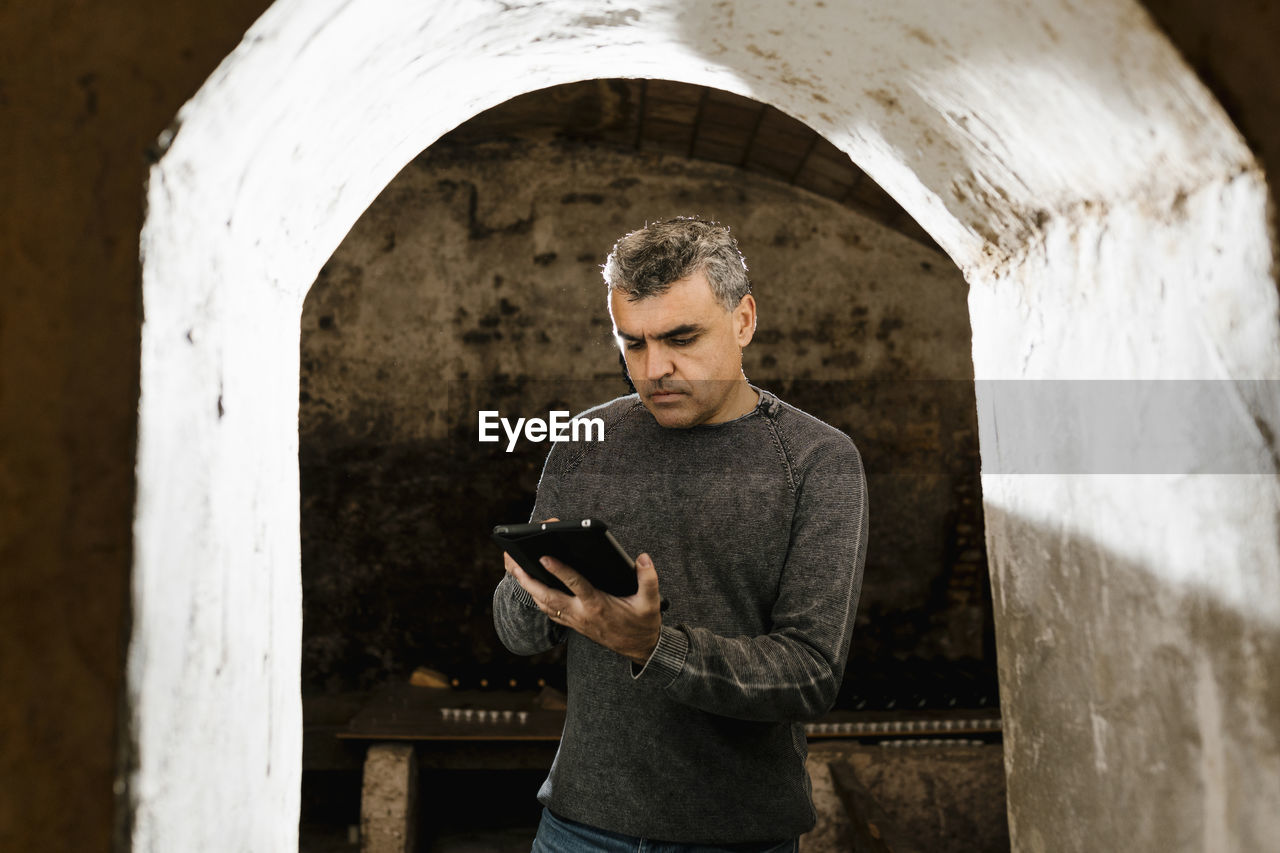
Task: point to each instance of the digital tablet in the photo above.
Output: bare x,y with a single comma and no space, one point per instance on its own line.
585,546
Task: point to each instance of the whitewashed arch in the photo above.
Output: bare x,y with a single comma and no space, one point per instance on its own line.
1108,218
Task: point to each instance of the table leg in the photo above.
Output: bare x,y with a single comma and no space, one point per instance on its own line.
388,801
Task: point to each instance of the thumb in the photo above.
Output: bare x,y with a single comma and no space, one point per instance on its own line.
646,576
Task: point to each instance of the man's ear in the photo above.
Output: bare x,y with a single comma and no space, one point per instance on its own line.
744,320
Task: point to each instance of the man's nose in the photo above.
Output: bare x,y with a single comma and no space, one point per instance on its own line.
658,364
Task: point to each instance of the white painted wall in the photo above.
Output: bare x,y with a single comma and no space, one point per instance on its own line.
1108,218
1138,617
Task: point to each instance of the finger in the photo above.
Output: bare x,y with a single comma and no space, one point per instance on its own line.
646,578
577,584
509,564
532,585
549,601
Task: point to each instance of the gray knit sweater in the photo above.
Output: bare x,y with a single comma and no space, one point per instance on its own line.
758,529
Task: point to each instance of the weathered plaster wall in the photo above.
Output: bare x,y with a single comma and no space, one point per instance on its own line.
1165,619
1232,46
474,282
1000,127
86,90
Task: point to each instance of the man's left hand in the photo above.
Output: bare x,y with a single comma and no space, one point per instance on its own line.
628,625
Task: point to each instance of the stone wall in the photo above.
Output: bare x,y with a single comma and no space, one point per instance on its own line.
925,797
473,282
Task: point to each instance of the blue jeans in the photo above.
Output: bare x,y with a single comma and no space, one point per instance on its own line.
561,835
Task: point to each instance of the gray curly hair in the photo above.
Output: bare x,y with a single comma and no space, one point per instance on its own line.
646,262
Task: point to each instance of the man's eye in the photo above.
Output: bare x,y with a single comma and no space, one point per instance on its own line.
681,342
634,345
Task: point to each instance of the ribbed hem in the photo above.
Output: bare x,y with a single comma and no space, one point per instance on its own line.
521,595
667,659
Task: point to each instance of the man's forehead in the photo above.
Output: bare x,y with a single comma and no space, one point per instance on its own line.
688,302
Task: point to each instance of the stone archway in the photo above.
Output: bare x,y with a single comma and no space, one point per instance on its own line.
1108,218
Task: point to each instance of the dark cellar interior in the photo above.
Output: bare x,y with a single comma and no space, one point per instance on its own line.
462,288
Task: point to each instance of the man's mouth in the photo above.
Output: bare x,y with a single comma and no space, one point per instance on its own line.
665,395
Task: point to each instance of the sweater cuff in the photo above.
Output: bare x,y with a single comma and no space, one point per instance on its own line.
666,660
521,595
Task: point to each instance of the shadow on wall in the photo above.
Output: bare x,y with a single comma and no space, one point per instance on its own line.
1187,664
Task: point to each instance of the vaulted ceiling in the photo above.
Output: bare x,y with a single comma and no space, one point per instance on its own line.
700,123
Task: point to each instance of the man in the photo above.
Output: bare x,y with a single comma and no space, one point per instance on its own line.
686,707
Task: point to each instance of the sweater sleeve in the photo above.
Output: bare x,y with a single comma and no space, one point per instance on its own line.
794,671
522,627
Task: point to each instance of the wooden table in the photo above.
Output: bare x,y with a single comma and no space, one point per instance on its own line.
408,726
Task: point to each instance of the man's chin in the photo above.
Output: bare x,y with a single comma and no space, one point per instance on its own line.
674,411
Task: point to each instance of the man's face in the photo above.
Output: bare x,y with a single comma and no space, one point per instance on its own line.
684,351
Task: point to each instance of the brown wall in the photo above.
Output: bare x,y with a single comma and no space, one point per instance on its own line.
84,90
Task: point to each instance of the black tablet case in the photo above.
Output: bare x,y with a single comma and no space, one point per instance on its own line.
585,546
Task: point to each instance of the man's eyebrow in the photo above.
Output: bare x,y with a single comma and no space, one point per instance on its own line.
678,332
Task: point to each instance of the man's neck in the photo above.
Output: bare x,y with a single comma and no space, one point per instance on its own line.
744,399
